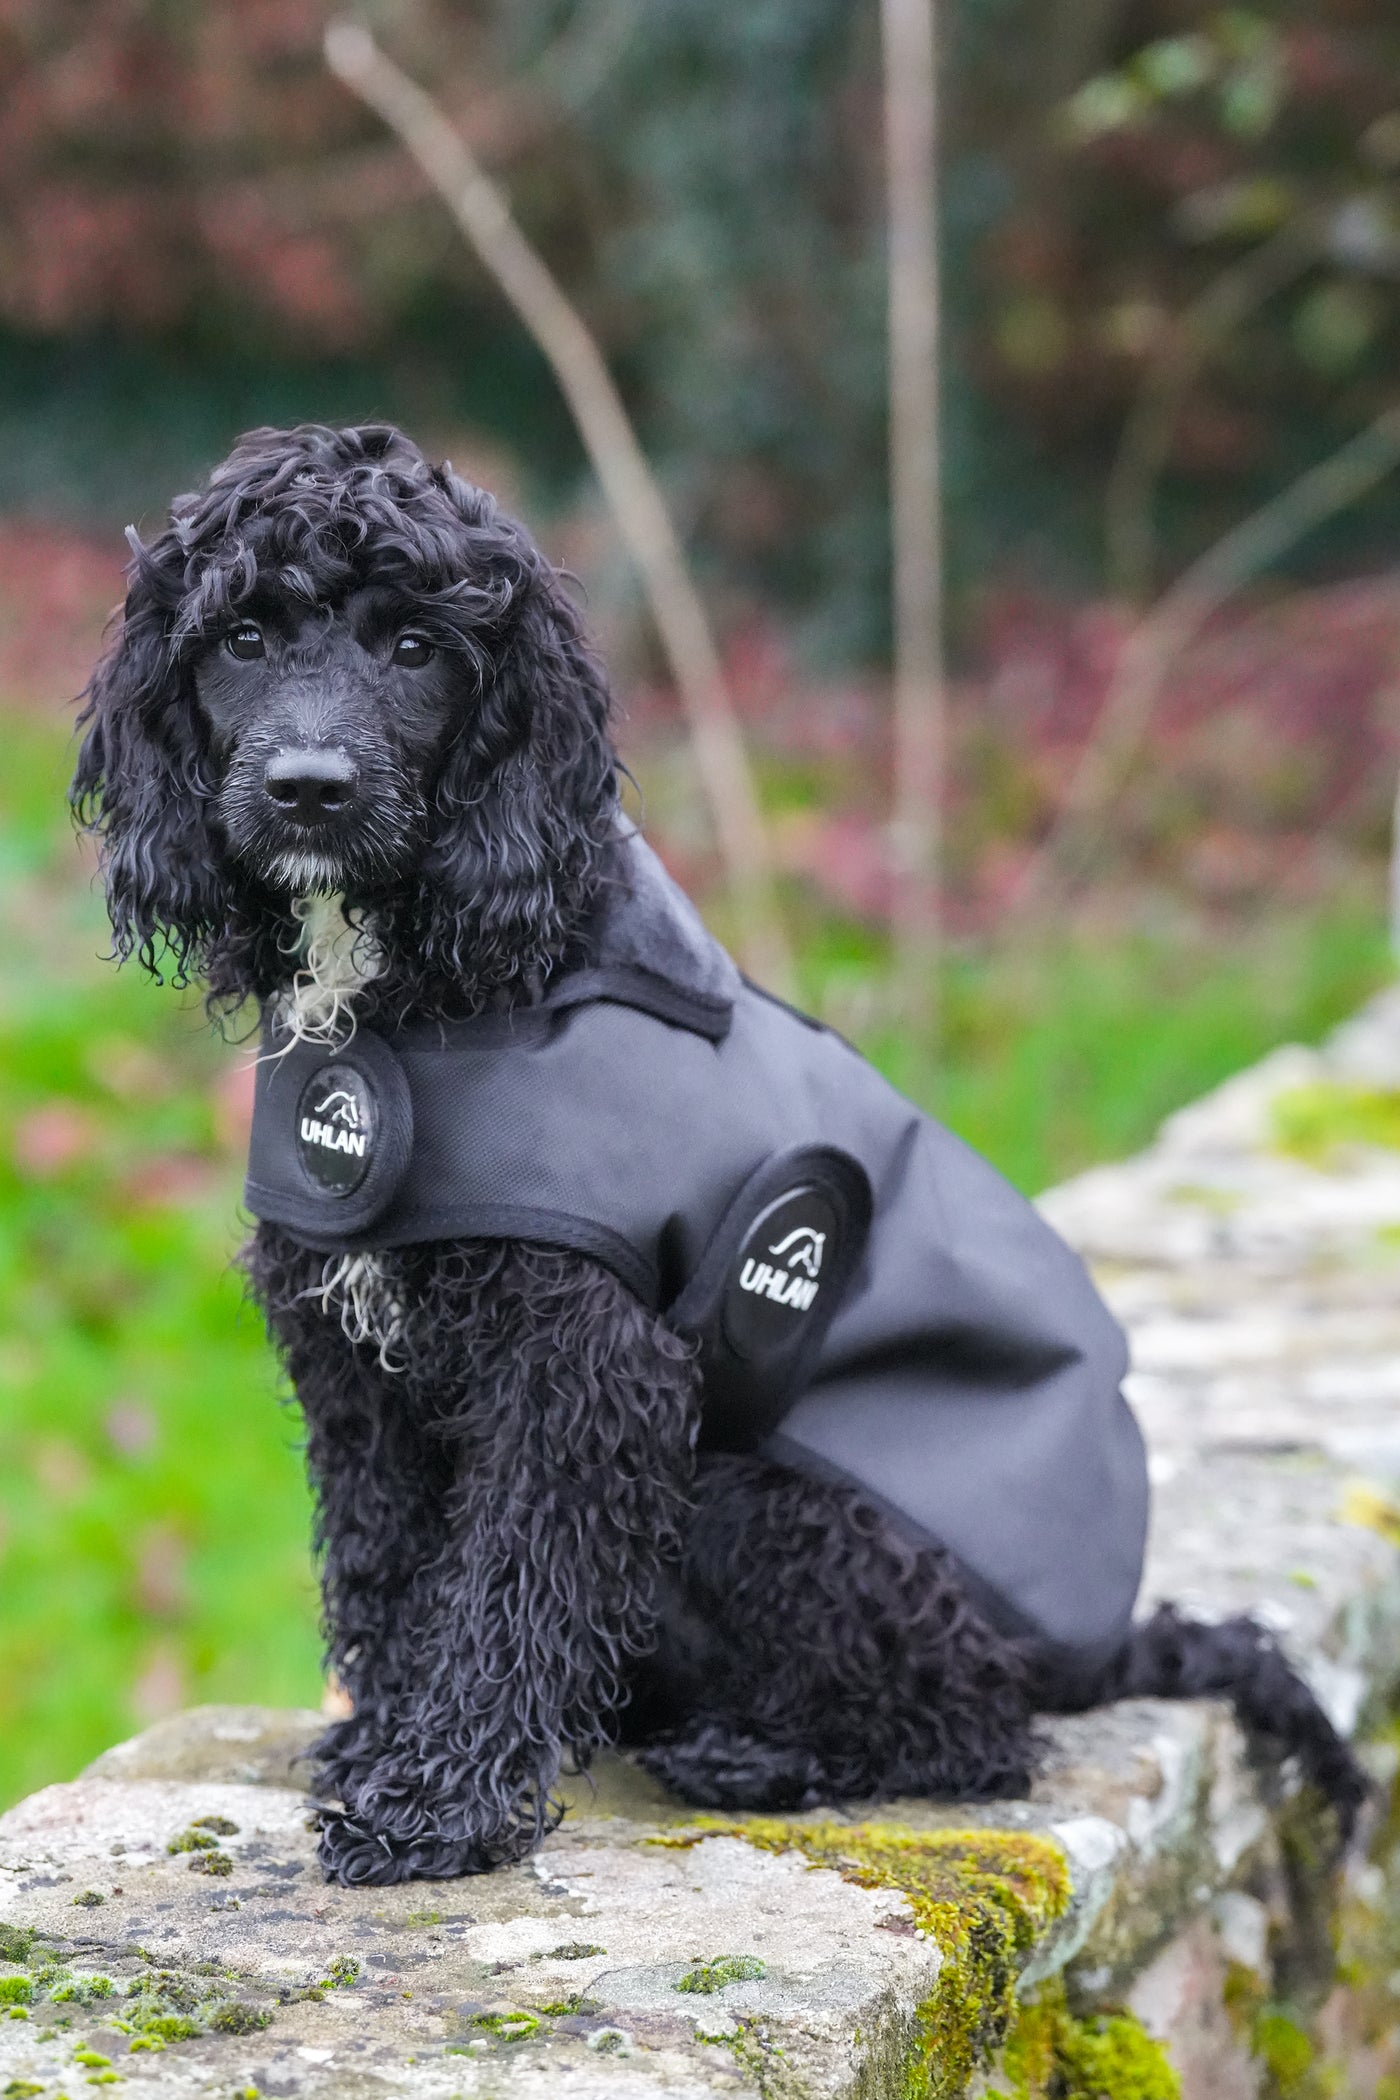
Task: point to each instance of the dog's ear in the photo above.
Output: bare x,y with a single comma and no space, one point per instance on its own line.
139,785
525,806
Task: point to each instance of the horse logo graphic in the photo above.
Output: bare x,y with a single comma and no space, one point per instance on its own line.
802,1249
342,1108
799,1249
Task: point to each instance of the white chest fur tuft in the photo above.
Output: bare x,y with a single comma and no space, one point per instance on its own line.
361,1290
339,956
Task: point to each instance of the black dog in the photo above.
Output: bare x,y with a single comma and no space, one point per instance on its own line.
348,755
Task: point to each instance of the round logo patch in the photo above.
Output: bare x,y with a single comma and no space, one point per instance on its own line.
337,1122
776,1279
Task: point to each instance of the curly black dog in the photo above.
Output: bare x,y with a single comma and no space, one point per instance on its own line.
348,756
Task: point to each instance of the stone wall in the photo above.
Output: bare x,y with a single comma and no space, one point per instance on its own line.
1160,1910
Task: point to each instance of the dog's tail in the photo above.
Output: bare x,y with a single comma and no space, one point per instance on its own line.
1170,1656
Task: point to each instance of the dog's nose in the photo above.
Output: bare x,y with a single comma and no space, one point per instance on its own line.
308,783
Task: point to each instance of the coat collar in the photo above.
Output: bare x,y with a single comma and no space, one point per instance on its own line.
648,947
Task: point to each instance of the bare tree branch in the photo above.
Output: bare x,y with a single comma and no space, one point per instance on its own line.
1195,336
639,510
1178,617
910,100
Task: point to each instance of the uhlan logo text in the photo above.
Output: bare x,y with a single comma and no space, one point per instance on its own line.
777,1284
340,1134
330,1139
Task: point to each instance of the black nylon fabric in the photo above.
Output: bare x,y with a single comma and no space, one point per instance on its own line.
955,1362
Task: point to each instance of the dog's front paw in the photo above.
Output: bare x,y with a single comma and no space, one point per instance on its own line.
358,1857
716,1767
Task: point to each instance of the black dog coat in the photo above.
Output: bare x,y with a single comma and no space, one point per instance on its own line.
872,1303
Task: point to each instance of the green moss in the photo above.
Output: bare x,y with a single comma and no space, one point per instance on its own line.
220,1825
1283,2049
238,2018
216,1863
1242,1996
193,1840
508,2026
21,2089
160,1989
1114,2058
81,1990
16,1942
16,1990
710,1976
1050,2055
1311,1122
163,2005
567,2008
575,1950
88,1899
340,1974
172,2027
983,1896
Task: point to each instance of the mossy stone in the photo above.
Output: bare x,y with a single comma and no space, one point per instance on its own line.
983,1896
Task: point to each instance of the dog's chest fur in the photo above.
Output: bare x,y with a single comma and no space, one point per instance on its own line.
337,960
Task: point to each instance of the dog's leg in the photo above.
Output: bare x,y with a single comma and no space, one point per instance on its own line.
380,1483
809,1655
569,1421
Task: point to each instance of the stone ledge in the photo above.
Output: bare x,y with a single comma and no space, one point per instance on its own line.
1261,1293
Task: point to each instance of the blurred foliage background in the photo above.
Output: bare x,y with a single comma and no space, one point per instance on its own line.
1172,249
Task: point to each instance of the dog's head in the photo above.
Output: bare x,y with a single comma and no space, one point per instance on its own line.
340,668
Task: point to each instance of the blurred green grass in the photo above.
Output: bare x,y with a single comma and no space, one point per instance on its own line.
153,1516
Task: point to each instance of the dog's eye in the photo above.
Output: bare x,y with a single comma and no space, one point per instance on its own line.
246,643
411,652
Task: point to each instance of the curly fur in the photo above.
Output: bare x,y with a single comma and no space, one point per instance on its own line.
491,1537
875,1677
520,1555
